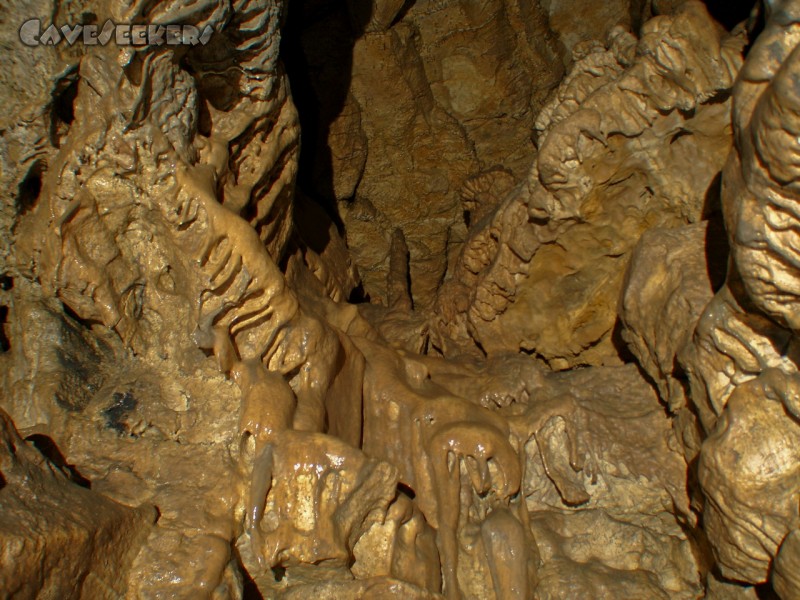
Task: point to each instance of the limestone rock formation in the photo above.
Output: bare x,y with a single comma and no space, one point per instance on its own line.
672,277
60,540
544,273
419,93
634,489
667,286
742,360
198,400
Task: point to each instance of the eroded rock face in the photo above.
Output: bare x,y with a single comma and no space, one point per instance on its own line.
671,278
544,273
176,334
742,360
60,540
749,474
418,93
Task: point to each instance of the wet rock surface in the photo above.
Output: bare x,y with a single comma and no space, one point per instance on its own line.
516,321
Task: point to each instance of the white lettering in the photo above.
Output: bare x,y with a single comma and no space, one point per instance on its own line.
138,35
155,35
123,35
206,35
71,34
191,35
29,32
106,33
173,35
51,36
90,35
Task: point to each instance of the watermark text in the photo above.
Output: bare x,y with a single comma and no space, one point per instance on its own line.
32,33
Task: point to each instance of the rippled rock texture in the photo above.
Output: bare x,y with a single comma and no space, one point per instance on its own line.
519,322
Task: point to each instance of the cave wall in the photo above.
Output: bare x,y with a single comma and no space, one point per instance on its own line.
401,299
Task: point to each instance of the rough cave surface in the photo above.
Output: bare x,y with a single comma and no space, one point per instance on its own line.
402,299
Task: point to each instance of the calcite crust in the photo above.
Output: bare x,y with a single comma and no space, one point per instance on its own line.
516,319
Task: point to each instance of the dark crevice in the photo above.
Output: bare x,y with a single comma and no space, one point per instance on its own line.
406,490
48,448
250,589
319,73
62,107
134,69
78,320
407,5
679,134
30,189
764,591
122,404
358,295
620,345
729,13
5,343
204,122
278,572
717,251
215,70
64,103
755,25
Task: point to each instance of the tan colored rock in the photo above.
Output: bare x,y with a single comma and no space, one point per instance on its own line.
742,361
565,423
168,328
399,188
720,588
563,579
356,590
37,116
787,566
323,495
749,325
491,67
638,473
116,258
402,546
597,19
750,474
141,433
545,273
432,84
671,278
668,284
481,193
325,254
731,344
375,15
60,540
105,225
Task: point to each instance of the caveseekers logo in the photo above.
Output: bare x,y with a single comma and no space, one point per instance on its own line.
33,34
